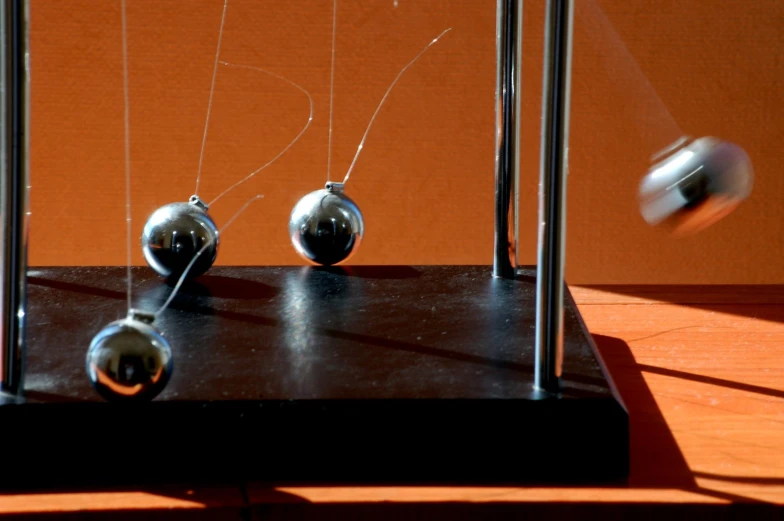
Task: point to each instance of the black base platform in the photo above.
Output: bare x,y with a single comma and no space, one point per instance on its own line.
360,374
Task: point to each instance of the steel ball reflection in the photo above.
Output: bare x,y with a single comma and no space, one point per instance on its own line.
326,226
129,360
175,233
695,185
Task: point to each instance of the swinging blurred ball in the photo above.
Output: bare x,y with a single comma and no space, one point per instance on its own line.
326,226
175,233
696,185
129,360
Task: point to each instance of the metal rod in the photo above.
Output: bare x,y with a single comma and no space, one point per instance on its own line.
14,187
552,194
509,30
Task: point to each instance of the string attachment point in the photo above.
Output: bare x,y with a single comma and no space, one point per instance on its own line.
334,187
141,316
669,149
195,200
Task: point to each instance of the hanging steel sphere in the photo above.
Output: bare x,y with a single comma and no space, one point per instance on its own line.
175,233
696,185
326,226
129,360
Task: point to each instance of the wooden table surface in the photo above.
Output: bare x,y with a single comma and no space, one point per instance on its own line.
701,370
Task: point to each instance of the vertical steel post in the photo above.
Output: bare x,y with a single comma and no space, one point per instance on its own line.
14,186
552,194
509,30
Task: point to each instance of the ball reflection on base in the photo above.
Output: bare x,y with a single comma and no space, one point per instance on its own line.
129,360
326,226
175,233
696,185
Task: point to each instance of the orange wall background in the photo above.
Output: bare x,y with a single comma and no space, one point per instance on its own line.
425,178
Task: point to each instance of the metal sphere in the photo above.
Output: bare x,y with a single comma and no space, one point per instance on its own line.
696,185
129,360
326,226
175,233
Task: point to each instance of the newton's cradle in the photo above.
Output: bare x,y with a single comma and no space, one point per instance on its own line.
404,374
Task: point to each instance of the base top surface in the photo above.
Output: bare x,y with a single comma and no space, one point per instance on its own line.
298,333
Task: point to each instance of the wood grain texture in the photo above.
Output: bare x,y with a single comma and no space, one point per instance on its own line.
704,384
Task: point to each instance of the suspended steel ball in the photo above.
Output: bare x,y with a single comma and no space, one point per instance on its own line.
326,226
129,360
175,233
696,185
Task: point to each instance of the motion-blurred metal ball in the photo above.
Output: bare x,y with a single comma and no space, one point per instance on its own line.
326,226
175,233
129,360
696,185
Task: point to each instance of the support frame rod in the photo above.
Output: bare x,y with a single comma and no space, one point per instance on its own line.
14,188
509,30
550,289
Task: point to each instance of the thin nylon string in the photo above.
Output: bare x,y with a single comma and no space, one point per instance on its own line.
595,21
126,101
362,143
212,91
310,119
331,87
198,254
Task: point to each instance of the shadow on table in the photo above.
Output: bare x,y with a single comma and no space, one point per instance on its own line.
656,460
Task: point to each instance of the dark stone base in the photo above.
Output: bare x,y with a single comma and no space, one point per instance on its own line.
388,374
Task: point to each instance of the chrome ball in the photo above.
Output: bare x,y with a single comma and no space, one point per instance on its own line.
175,233
129,360
326,226
696,185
